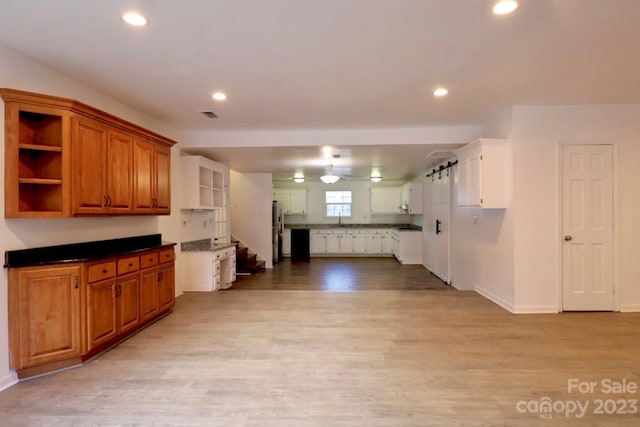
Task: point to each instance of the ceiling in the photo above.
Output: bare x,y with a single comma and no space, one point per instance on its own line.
334,64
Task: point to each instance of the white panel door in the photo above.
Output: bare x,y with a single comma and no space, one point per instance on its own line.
587,223
437,233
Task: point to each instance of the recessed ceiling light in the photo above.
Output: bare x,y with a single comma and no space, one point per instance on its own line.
135,19
219,96
505,6
440,91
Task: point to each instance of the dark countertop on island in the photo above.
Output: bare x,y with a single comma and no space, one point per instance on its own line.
403,227
79,252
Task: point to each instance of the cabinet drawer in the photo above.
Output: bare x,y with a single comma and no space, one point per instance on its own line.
216,268
166,255
101,271
128,265
149,260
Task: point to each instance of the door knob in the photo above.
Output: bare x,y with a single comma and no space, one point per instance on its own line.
568,238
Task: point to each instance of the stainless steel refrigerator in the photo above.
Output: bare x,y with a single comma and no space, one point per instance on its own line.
277,229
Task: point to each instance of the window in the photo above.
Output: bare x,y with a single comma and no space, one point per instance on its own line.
338,203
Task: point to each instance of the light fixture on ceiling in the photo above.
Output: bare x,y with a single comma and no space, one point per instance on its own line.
441,91
329,178
135,19
504,7
219,96
298,177
376,178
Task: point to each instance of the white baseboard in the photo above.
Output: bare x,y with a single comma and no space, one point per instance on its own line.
8,380
630,308
536,309
495,298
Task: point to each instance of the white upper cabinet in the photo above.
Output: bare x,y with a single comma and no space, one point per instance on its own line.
204,183
386,200
412,197
483,174
292,201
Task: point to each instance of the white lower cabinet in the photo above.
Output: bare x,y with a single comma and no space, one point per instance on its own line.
206,271
333,242
408,246
318,242
379,241
359,241
354,241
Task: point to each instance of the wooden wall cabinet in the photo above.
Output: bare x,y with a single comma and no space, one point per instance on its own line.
37,155
102,169
64,158
152,178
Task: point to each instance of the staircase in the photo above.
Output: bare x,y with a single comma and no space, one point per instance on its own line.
247,263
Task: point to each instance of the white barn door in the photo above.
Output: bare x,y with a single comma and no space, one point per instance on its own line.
436,232
587,227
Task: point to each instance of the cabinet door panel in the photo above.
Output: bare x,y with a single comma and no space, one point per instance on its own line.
128,302
298,201
148,293
143,176
119,168
49,315
101,312
163,180
333,244
474,183
88,172
166,288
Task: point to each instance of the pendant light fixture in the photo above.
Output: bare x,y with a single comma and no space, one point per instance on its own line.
329,178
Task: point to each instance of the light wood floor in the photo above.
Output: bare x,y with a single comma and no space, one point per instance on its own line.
296,357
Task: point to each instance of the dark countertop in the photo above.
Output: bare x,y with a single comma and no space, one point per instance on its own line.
403,227
80,252
203,245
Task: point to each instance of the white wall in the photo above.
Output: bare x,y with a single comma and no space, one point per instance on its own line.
196,225
251,198
537,135
360,204
482,251
19,72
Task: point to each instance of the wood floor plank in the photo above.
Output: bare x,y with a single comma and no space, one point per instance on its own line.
281,350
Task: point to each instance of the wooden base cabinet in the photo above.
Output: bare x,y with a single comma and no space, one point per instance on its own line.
63,314
45,315
112,308
157,283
